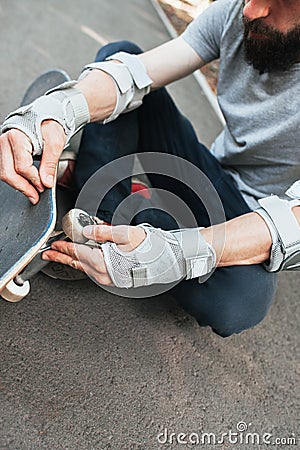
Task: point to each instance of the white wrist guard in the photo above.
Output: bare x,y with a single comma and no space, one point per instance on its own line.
131,80
163,257
65,104
285,233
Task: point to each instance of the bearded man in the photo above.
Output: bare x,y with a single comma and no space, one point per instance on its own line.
250,173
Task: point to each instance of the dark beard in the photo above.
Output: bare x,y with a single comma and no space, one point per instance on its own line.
276,52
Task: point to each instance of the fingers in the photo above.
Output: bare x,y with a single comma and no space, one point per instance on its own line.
16,163
54,141
127,237
52,255
104,233
82,257
91,259
22,151
16,169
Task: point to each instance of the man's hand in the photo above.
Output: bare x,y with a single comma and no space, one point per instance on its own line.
44,127
138,256
91,259
16,162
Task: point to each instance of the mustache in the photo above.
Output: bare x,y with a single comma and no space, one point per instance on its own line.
259,27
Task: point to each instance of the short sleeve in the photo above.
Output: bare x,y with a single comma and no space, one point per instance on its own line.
204,34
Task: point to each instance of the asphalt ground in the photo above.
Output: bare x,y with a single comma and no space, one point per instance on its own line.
84,369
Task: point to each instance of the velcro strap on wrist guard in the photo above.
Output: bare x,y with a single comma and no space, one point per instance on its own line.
294,190
163,257
131,80
285,233
65,104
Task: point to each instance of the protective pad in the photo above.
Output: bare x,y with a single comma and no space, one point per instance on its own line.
285,233
163,257
131,81
64,104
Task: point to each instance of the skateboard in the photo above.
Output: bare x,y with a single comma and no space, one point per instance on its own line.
28,230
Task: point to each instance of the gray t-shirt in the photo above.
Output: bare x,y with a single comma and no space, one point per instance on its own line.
260,144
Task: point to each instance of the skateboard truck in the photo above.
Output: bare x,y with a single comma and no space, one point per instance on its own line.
72,223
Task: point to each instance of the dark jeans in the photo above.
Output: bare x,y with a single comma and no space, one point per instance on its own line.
233,298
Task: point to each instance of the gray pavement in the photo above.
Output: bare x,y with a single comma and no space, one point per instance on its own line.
84,369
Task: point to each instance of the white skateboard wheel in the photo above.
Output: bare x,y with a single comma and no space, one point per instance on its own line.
74,222
14,292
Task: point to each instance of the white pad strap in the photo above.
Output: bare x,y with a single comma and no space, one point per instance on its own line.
284,229
198,255
72,98
294,190
136,67
131,80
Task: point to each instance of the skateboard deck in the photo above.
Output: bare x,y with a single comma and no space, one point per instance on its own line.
26,228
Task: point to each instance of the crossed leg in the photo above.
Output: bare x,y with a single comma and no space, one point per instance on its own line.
224,302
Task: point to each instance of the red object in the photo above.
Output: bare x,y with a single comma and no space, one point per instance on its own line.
138,187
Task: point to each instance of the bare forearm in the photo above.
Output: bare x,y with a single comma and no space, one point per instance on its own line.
244,240
170,62
100,93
